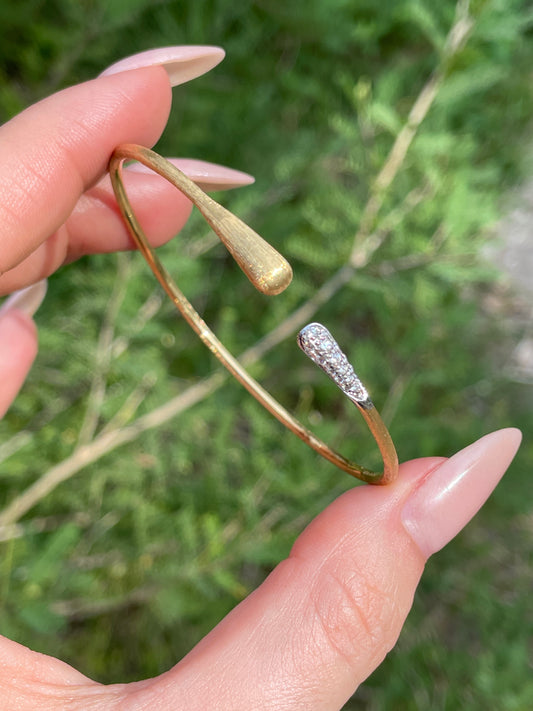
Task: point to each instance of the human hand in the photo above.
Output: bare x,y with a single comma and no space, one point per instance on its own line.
326,616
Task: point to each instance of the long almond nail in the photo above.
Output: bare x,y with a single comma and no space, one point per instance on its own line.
28,299
451,494
181,63
208,176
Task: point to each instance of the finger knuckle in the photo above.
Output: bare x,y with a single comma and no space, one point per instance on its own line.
351,615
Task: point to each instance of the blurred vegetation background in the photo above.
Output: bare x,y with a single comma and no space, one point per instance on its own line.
189,493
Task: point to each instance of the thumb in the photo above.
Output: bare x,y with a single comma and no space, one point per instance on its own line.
18,340
326,617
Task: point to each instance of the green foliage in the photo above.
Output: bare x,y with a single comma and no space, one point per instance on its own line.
158,539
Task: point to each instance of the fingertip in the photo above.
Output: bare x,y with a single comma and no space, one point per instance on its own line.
17,326
144,97
364,508
74,134
97,226
18,348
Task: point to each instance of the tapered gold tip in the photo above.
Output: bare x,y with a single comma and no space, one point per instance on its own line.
274,278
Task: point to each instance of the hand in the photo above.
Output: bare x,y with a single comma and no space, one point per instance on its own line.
325,617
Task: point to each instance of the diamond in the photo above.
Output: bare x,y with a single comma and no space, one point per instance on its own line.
319,345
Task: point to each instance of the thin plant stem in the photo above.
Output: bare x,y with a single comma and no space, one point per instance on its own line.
455,41
103,357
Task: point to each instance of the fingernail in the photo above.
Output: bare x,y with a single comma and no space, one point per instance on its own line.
450,495
208,176
27,300
181,63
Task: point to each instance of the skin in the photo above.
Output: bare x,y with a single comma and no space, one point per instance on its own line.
326,617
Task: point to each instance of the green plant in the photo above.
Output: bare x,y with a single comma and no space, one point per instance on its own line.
381,145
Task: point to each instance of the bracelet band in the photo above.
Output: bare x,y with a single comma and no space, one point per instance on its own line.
270,273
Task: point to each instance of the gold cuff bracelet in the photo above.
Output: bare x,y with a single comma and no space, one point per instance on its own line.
270,273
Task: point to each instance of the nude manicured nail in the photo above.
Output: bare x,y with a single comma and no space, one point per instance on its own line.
209,176
450,495
181,63
27,300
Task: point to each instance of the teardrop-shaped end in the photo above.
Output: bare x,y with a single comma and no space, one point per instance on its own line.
264,266
273,278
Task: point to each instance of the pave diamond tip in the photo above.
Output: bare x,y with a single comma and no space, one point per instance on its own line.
319,345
